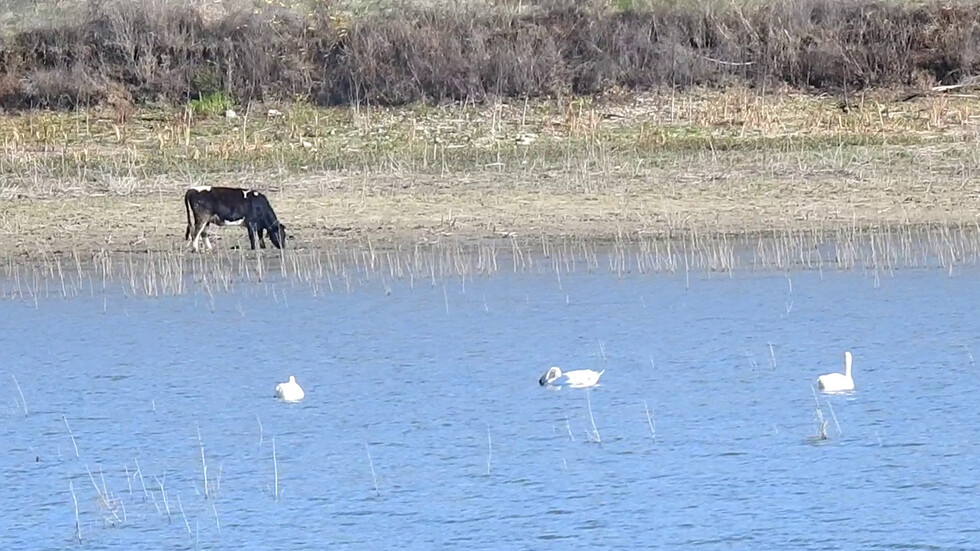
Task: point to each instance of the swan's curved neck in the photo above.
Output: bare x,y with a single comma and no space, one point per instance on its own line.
847,366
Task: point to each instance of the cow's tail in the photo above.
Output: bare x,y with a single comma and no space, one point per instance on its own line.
187,207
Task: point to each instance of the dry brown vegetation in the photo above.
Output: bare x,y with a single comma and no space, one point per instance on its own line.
118,52
663,164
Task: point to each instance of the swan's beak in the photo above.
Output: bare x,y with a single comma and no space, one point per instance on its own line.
543,380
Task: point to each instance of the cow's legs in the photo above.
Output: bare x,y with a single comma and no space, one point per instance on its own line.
261,232
199,227
251,235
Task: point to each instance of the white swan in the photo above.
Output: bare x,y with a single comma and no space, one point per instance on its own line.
579,378
290,391
836,382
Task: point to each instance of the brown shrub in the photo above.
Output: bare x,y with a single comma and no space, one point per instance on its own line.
172,54
61,88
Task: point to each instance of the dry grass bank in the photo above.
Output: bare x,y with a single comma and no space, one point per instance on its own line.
644,165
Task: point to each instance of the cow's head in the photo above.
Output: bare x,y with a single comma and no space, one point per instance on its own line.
277,234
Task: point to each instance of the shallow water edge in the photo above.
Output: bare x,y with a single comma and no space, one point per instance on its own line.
327,269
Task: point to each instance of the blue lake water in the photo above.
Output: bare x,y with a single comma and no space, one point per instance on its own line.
704,416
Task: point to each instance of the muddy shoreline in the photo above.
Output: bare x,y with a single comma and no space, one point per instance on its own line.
452,211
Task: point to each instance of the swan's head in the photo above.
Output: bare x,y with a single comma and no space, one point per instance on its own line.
292,380
549,376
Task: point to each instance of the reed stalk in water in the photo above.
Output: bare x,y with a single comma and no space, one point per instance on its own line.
204,464
163,493
183,516
489,449
821,426
74,499
374,476
214,510
105,500
588,401
653,430
275,469
139,471
65,419
695,250
216,485
834,416
821,422
23,402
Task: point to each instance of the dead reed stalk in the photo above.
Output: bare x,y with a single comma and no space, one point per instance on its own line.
72,435
78,524
374,476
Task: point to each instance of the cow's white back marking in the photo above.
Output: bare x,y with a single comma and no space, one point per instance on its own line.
245,193
201,188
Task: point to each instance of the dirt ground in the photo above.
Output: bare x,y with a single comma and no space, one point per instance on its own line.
730,193
708,161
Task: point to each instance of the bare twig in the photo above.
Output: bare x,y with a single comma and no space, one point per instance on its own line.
723,62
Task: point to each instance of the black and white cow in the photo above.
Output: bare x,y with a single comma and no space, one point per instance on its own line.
231,206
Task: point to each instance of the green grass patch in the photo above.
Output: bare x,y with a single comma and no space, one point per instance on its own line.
214,103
